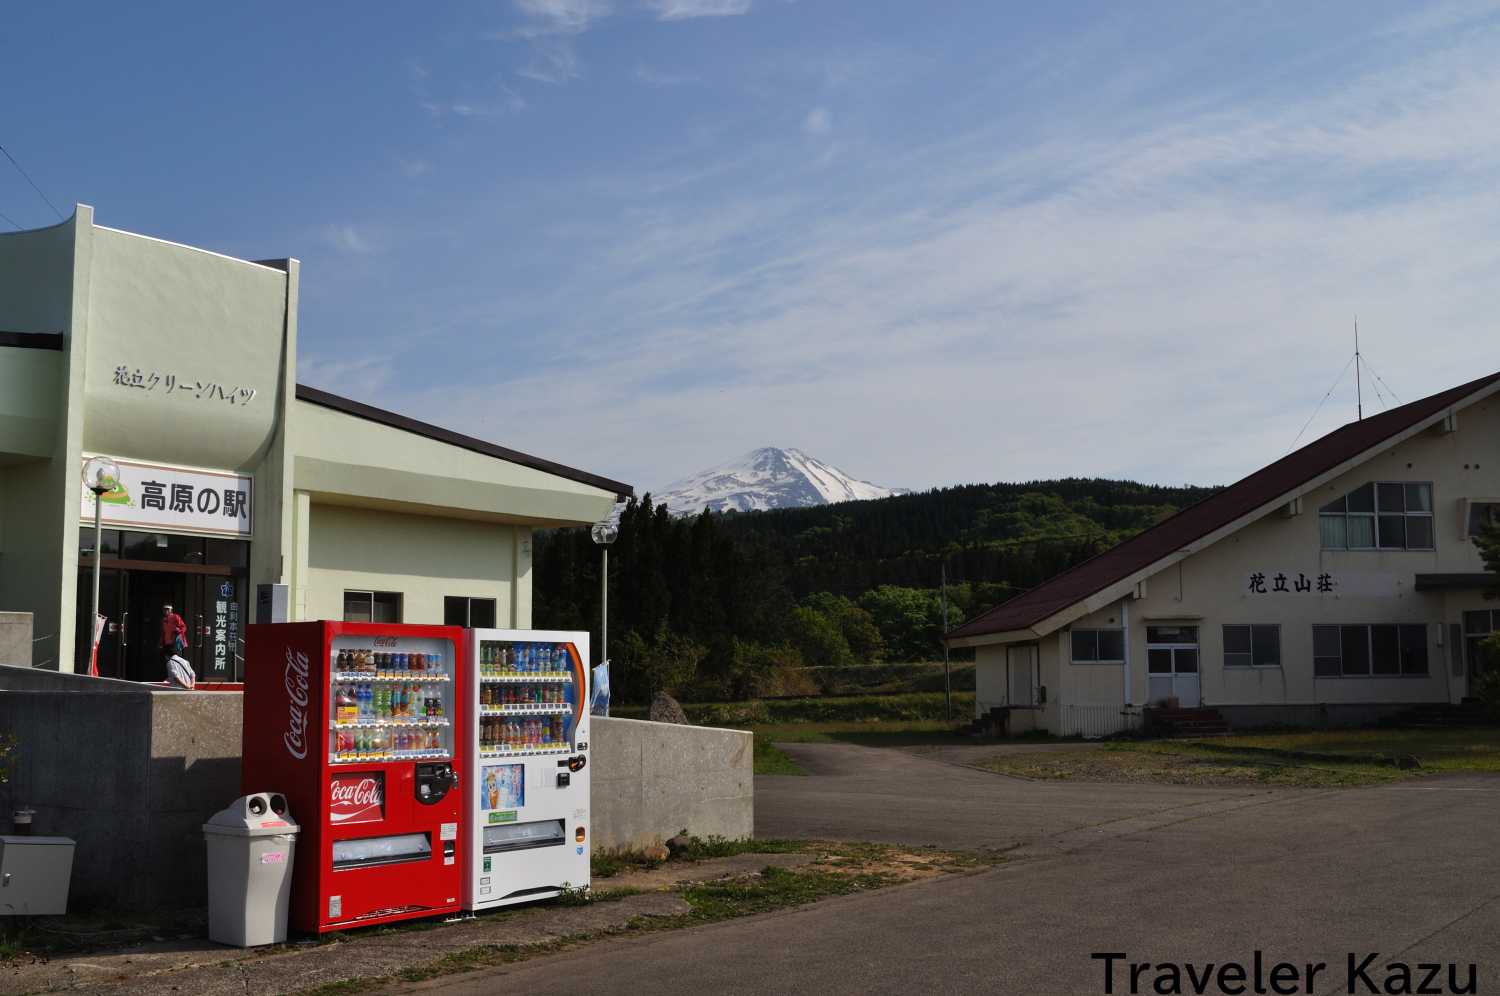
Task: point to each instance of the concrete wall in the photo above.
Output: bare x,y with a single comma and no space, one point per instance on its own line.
654,780
132,772
15,639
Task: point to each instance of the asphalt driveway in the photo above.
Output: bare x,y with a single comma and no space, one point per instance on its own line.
1411,871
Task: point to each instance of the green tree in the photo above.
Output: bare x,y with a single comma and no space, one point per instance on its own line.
819,639
862,636
910,620
1487,683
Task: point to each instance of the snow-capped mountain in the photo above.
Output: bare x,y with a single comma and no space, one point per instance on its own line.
769,477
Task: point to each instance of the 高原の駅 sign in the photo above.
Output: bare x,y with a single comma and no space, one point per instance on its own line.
155,497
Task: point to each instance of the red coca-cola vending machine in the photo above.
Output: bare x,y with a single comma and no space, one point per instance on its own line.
360,725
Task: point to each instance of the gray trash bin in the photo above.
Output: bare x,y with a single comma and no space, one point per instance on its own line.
251,845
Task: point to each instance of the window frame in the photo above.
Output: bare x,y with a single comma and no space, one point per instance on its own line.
1250,628
1471,507
469,601
1073,657
1376,514
1403,631
390,597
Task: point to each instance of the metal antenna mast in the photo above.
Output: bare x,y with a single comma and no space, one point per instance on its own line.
1359,395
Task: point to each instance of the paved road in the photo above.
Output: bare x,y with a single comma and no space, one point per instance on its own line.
1411,871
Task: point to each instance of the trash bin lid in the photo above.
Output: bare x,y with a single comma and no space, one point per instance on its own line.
260,814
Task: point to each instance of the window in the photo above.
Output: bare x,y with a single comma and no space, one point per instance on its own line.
372,606
471,613
1252,646
1482,514
1477,626
1098,646
1386,515
1382,650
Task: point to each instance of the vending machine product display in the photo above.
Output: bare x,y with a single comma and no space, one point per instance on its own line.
528,765
362,727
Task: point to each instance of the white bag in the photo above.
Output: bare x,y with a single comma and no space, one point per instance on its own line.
180,672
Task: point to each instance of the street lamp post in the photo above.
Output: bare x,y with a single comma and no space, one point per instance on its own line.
101,475
604,533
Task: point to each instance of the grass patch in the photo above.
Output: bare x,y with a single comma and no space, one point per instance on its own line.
1307,759
817,709
772,760
869,733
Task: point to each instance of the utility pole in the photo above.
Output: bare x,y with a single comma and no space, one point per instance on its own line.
947,675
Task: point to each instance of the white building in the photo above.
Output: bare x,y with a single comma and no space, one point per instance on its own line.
1335,585
181,364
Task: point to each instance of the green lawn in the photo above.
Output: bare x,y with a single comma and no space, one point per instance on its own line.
1315,759
772,760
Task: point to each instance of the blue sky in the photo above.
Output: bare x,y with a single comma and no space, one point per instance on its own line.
929,242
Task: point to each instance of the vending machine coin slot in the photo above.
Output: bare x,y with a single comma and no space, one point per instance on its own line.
434,781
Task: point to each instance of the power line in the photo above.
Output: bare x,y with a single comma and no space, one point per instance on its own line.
33,184
1321,404
11,221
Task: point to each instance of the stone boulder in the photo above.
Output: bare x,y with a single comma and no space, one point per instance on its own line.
664,709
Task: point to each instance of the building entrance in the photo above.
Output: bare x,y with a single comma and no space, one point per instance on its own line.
210,598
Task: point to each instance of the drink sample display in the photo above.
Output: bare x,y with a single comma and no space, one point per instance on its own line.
389,705
527,697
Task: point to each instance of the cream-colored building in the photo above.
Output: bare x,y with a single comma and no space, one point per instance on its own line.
180,364
1335,585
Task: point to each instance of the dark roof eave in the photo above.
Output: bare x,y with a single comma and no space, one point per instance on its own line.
1177,533
370,413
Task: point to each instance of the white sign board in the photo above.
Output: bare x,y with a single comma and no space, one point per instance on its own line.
173,499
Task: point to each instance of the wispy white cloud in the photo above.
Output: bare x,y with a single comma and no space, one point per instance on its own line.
656,77
682,10
562,16
818,121
362,378
553,60
1191,266
349,238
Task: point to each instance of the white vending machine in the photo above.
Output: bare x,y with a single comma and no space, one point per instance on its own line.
528,766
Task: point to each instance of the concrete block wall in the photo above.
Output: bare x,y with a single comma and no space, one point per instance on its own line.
131,772
654,780
15,638
128,772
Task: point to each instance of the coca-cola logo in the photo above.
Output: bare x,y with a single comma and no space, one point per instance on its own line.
295,681
357,799
385,641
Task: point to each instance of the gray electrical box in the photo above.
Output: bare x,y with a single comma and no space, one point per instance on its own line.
272,603
34,875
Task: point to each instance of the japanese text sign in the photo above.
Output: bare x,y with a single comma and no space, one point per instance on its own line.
151,496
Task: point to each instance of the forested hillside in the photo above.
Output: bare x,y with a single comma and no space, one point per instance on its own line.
762,603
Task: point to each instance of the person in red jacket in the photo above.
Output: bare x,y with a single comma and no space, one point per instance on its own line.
173,634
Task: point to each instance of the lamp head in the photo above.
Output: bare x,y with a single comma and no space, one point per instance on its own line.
605,533
101,474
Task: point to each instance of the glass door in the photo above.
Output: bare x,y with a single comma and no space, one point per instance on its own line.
1172,665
